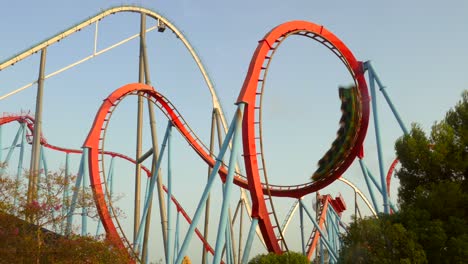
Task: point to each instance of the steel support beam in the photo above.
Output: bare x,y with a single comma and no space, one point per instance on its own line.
202,202
169,242
35,152
368,66
151,188
329,246
369,187
248,244
375,114
220,239
139,133
207,208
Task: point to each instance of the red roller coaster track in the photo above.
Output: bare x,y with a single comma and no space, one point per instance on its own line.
29,121
252,96
249,95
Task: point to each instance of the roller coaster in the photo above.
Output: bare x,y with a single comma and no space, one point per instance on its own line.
240,163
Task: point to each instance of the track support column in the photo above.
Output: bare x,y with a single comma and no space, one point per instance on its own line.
322,235
35,153
369,67
84,210
141,78
151,188
375,114
369,187
207,208
201,203
301,218
220,239
248,244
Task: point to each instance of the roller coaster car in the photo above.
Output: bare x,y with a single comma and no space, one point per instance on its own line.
161,26
345,134
338,204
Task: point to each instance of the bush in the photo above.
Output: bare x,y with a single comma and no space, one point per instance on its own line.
271,258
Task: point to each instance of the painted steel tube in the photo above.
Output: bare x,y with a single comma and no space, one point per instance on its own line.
248,95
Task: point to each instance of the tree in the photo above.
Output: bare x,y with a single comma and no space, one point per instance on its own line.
380,240
433,193
34,242
288,257
441,157
433,197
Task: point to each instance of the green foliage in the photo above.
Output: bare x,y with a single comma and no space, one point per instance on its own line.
21,242
379,240
32,242
438,217
441,157
433,192
289,258
432,224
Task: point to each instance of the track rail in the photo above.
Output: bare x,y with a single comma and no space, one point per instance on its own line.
251,94
256,180
29,121
111,11
307,29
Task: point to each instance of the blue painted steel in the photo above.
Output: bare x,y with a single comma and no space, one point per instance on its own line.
19,170
41,170
228,245
333,218
110,179
149,198
206,191
84,209
329,231
176,242
371,176
379,143
338,218
248,243
301,217
148,180
370,68
71,211
12,147
109,185
369,187
223,218
169,195
335,233
330,248
322,256
43,166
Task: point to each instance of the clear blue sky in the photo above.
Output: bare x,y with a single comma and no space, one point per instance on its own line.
419,49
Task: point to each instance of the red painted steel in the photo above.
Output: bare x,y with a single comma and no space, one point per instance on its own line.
321,222
94,138
29,121
338,204
390,173
248,96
